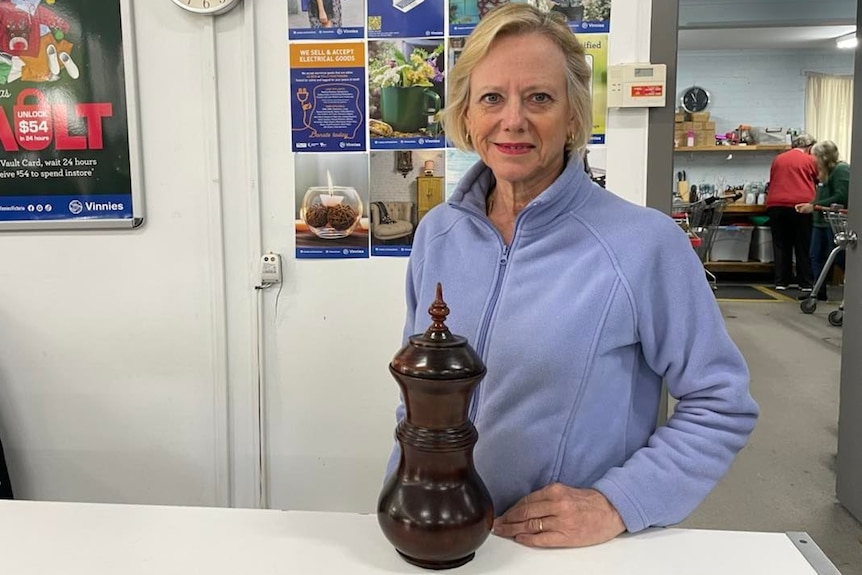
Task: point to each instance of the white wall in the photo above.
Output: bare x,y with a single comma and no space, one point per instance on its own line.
112,362
129,360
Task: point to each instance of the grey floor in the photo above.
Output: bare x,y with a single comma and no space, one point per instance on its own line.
784,480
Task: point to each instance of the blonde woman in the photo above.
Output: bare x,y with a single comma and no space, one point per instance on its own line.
579,302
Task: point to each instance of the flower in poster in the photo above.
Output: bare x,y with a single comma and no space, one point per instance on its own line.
390,68
597,10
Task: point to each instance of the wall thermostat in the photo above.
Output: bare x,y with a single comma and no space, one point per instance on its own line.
637,85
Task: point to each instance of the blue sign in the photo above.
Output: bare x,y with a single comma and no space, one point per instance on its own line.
331,253
71,207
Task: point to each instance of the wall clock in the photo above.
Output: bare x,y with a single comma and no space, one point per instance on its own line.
695,99
207,7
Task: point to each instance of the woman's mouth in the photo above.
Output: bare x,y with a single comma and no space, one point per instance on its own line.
513,148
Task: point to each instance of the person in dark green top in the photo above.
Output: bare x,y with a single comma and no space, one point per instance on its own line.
834,188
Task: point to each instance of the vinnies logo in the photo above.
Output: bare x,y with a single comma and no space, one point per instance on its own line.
76,207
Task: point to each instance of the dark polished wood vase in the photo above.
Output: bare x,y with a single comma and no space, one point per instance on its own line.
435,509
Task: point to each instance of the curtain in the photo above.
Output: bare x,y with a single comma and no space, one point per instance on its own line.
829,110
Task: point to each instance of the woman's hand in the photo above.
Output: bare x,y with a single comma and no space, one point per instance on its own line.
561,516
324,19
804,208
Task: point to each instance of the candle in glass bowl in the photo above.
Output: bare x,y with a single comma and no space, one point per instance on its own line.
329,200
331,211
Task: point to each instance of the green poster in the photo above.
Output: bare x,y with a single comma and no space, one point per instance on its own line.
65,150
596,47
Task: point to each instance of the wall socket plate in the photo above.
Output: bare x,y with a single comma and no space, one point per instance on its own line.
270,269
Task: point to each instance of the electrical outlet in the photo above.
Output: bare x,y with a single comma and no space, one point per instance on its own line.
270,269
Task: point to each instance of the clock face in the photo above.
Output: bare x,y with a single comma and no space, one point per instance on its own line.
207,7
695,99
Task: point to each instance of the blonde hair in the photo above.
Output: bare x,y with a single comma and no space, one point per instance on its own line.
513,20
827,157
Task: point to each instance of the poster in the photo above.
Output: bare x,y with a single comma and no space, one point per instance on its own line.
405,18
405,186
327,96
596,48
67,156
583,16
371,154
406,93
331,206
326,20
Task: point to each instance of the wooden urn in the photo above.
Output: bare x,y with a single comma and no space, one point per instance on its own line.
435,509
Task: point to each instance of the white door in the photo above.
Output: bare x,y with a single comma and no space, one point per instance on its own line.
849,469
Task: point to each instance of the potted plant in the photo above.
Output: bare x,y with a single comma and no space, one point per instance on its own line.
405,85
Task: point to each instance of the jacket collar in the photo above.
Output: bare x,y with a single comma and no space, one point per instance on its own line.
569,190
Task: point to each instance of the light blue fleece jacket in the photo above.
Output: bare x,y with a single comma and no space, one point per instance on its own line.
578,320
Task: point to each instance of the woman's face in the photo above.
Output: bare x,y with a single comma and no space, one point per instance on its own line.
518,114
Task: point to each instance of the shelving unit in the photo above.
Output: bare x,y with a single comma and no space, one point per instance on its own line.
731,149
753,267
737,211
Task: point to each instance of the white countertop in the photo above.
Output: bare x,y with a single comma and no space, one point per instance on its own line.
42,538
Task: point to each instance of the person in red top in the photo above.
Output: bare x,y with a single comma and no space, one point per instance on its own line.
792,180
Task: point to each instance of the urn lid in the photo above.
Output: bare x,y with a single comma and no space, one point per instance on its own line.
438,353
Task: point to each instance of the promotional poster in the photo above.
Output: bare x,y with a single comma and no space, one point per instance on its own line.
405,186
327,86
331,206
406,93
327,20
372,157
64,129
596,48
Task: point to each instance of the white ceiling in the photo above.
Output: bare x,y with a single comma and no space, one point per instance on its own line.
772,38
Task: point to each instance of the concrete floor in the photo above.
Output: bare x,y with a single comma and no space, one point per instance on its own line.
784,480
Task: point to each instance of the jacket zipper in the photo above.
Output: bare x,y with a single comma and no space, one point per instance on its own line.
482,332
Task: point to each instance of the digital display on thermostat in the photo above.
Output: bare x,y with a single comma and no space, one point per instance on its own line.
643,72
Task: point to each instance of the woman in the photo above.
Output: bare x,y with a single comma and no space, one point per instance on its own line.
834,188
792,179
579,303
324,13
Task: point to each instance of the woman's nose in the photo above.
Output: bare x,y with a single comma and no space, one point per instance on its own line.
513,115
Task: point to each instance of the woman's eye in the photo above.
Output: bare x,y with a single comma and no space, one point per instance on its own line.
541,98
491,98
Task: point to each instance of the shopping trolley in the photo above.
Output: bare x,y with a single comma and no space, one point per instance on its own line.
837,218
700,220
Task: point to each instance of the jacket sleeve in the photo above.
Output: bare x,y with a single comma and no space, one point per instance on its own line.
684,340
838,188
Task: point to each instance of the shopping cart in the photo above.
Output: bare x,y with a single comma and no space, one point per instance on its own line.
837,218
700,220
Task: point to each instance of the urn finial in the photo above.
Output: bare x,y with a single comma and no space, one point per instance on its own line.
438,311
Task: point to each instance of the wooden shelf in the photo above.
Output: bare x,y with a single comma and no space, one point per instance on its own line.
732,149
745,209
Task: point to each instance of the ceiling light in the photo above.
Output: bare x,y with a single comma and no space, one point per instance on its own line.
847,41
